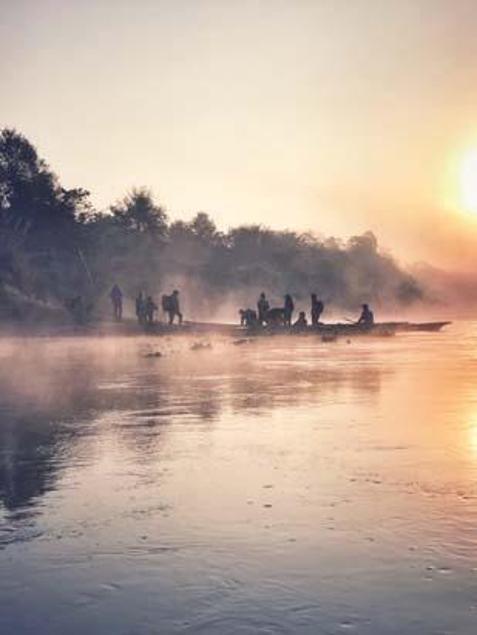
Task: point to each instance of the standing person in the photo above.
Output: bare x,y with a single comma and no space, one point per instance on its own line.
141,308
149,308
116,296
317,307
289,308
170,305
263,307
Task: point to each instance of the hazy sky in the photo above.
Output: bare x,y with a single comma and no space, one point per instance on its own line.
331,115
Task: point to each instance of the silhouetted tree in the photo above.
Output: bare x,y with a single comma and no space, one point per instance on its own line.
204,227
138,212
30,194
40,235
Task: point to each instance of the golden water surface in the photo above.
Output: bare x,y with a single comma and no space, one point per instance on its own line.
272,486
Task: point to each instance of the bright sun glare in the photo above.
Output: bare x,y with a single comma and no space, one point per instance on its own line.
468,181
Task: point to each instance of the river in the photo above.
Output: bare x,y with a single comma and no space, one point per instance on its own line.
281,485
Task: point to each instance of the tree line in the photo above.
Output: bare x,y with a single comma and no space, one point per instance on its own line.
55,244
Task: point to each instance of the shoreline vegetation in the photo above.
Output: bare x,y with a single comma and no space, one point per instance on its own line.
54,245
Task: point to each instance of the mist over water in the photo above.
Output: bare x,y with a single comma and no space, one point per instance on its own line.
277,486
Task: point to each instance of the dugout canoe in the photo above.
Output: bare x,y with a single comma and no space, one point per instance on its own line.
379,329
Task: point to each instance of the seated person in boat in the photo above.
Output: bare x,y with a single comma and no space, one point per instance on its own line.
248,317
263,307
366,318
317,307
302,322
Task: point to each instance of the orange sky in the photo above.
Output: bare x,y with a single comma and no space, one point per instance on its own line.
336,116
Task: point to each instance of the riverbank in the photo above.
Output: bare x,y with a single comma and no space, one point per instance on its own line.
105,328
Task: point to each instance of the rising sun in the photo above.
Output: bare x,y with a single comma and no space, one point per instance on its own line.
468,181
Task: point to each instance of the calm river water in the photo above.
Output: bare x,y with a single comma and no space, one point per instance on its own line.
277,486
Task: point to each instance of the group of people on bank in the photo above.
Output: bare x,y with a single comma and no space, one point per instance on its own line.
145,306
265,315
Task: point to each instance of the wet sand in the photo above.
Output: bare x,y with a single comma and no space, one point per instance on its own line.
271,487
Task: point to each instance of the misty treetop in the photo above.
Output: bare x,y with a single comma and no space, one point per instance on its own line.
54,244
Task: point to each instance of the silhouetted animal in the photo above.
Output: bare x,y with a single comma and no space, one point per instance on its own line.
276,316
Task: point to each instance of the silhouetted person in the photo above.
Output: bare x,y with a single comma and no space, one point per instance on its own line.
248,317
141,308
289,308
263,307
150,307
170,305
302,321
317,307
116,296
366,318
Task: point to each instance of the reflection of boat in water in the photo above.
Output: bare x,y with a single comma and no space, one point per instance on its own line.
379,329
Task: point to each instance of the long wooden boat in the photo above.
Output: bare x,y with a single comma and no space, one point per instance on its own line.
379,329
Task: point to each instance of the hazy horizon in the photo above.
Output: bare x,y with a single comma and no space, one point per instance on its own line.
320,116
